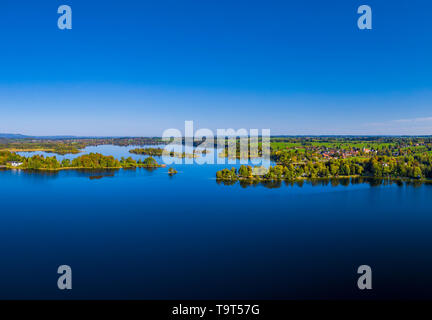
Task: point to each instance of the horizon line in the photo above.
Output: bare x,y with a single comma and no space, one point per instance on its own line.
23,136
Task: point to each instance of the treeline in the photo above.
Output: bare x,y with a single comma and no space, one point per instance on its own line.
148,162
7,156
88,161
413,167
60,147
92,161
354,139
160,152
148,151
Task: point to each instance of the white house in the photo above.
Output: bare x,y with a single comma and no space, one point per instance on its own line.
15,163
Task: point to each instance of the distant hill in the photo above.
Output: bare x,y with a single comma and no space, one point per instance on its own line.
21,136
13,136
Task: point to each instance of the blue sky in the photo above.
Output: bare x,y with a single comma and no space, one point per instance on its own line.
140,67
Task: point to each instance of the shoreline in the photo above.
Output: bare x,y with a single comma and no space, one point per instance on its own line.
47,150
257,179
82,168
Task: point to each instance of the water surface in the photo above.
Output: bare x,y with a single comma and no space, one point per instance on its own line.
145,235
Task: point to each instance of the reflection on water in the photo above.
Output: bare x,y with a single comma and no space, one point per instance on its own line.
85,173
92,174
97,177
96,174
322,182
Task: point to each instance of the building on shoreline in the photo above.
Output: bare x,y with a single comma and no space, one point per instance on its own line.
14,163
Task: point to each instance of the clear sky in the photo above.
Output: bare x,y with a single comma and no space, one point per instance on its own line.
139,67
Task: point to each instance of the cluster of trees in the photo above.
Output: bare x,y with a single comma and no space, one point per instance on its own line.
128,162
6,156
244,172
38,162
233,150
159,152
413,167
148,151
87,161
63,150
35,162
226,174
148,162
61,147
418,166
92,161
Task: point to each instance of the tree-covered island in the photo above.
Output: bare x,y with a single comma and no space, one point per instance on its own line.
10,160
161,152
172,171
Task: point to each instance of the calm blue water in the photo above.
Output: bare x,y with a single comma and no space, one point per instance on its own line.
143,234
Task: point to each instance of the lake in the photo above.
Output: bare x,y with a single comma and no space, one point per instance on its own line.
141,234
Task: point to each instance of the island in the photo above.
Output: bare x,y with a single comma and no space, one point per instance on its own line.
10,160
161,152
172,171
